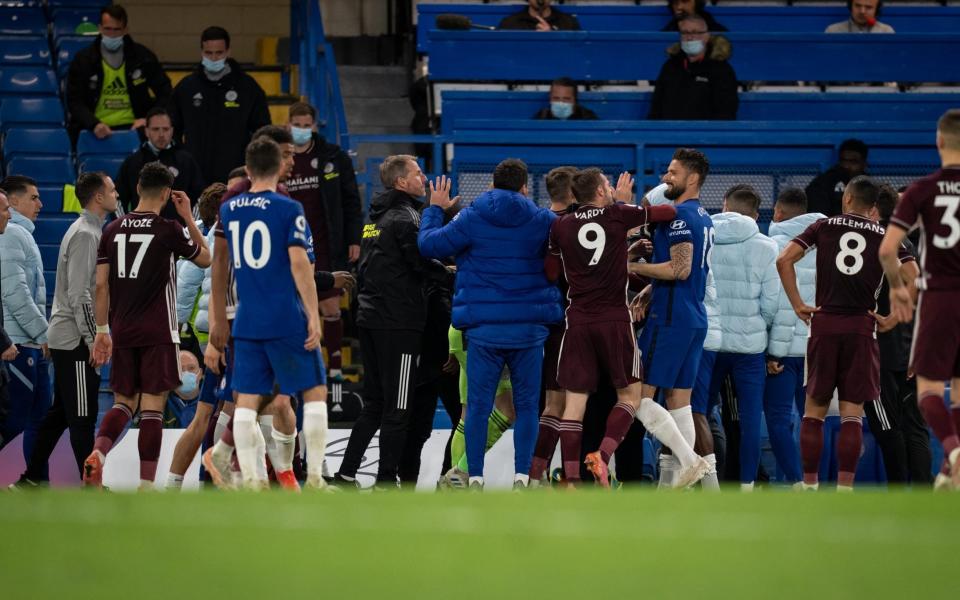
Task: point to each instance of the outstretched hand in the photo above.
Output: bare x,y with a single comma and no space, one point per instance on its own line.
624,190
440,193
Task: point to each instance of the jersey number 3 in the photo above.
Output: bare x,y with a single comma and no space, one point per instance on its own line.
950,203
243,253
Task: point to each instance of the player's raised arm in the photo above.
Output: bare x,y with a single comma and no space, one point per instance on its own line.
901,302
307,288
786,266
182,203
219,329
676,269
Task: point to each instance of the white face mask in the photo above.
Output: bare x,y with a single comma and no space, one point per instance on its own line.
692,47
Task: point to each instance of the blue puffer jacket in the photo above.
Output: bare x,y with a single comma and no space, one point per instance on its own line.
23,288
744,267
499,243
788,336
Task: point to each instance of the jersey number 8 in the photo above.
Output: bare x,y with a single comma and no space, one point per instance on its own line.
245,254
852,245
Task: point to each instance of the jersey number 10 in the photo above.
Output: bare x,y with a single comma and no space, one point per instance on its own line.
243,254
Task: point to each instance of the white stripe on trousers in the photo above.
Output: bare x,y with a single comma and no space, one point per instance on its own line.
404,383
81,389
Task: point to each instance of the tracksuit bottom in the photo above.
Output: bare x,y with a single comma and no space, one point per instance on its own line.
785,392
28,400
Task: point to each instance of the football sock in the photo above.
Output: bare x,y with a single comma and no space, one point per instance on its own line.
669,465
546,445
265,422
940,421
571,436
710,481
458,445
333,342
245,432
662,425
811,446
283,446
849,443
174,481
261,446
497,425
746,487
684,418
148,443
111,427
315,432
618,424
223,419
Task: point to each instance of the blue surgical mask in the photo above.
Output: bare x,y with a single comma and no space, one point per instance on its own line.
656,198
112,44
301,136
214,66
692,47
188,384
561,110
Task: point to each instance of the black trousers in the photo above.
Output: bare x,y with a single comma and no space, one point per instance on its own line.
75,406
390,360
900,430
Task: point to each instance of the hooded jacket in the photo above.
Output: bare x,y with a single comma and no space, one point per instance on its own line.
788,335
703,91
393,278
499,243
215,119
23,289
85,80
743,263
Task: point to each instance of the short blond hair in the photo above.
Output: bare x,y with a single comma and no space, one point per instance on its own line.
394,167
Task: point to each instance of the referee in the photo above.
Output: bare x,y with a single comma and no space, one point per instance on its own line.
72,330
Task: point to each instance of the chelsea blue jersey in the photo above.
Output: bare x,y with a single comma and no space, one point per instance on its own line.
680,303
259,229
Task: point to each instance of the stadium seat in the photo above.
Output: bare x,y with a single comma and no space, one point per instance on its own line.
50,279
27,81
66,49
121,143
28,20
31,112
55,170
58,4
52,198
51,229
108,164
35,141
66,20
24,50
49,253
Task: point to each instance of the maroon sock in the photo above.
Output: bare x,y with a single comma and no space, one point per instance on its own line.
618,424
111,427
333,342
811,446
849,444
227,435
940,421
955,413
571,435
546,445
151,436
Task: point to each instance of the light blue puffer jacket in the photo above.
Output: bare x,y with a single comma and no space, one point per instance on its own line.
22,286
788,336
712,305
744,268
192,280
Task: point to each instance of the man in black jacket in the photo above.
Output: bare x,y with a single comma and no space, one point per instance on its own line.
681,8
825,192
540,16
324,182
160,146
109,84
696,82
393,280
8,350
217,108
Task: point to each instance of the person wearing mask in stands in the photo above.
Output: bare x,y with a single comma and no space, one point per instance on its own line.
539,15
563,103
825,192
182,402
696,82
217,108
114,82
159,147
863,19
681,8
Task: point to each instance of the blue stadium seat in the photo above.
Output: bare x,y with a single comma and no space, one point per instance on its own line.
108,164
49,253
52,198
27,81
36,141
67,48
24,50
66,20
51,229
27,20
57,4
50,279
30,112
44,169
121,143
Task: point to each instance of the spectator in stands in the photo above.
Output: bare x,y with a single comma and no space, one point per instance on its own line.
24,298
324,182
563,103
825,192
696,82
681,8
160,147
182,402
217,108
540,16
8,350
863,18
114,83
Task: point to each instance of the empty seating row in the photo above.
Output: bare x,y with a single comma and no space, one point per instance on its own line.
34,51
30,20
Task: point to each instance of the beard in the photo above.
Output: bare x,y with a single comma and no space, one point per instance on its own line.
674,191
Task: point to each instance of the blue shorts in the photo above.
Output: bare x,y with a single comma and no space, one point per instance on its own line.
702,399
671,356
261,363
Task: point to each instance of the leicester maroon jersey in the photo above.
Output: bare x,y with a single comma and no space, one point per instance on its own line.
933,204
141,249
592,243
849,274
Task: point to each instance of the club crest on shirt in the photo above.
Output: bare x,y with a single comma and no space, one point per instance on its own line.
328,168
301,223
314,163
197,99
231,95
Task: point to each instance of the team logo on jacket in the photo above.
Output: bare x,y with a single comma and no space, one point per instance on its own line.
137,74
197,99
314,163
328,168
231,96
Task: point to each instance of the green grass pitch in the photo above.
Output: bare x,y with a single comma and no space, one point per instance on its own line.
541,544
